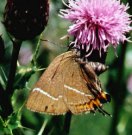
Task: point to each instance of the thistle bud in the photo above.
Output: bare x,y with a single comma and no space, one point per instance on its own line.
25,19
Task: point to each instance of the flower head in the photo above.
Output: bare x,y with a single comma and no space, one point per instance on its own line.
97,23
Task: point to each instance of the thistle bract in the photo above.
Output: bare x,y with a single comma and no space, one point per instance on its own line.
25,19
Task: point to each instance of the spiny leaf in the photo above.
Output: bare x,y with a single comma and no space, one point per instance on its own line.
1,124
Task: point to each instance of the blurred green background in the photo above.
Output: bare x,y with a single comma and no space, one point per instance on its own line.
117,81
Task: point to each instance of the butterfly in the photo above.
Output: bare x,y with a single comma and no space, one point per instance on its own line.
69,85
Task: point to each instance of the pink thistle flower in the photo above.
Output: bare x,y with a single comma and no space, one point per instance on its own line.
97,23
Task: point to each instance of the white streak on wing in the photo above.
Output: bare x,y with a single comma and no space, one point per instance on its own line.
47,94
77,91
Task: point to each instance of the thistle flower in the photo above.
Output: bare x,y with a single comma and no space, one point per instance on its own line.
97,24
25,19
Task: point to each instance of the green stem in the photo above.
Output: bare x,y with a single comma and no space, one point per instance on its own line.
119,87
43,127
15,53
35,55
7,94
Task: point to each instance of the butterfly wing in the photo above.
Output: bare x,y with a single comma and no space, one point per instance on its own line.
47,95
66,86
82,88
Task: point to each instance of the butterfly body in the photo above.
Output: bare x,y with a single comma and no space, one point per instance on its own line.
67,85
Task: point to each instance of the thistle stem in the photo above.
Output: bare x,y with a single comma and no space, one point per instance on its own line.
7,94
35,55
120,88
15,53
43,127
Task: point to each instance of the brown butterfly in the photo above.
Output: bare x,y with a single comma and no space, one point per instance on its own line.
68,85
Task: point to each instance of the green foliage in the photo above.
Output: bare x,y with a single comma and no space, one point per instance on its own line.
13,122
